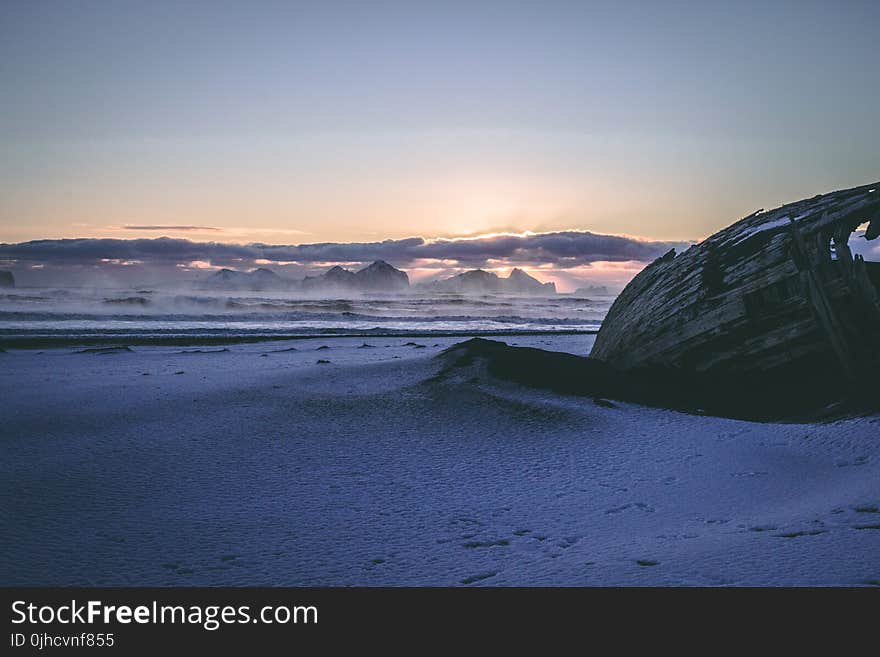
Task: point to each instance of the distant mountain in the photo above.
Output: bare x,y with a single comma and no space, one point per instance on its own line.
381,277
591,290
7,279
339,276
377,277
478,281
336,279
520,282
259,280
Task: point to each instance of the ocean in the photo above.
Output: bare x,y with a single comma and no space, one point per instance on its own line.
35,317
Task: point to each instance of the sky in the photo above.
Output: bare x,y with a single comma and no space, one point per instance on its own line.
297,123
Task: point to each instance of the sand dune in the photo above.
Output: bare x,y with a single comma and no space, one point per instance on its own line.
232,468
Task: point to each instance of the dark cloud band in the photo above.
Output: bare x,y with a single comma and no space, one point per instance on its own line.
561,249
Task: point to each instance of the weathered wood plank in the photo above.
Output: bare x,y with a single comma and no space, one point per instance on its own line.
761,294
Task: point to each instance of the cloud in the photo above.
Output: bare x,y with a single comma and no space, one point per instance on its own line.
567,249
200,228
868,250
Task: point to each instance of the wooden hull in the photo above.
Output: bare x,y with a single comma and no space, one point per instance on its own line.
767,296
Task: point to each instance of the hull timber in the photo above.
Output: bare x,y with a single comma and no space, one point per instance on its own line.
775,297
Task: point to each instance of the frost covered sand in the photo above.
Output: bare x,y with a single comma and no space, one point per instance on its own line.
258,465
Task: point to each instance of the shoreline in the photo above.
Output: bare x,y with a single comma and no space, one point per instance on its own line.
178,340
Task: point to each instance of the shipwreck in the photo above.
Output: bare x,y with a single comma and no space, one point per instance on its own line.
774,309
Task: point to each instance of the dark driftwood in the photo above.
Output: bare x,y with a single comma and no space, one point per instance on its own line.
775,300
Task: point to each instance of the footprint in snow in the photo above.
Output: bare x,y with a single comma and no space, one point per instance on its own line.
478,578
641,506
859,460
177,568
502,542
811,532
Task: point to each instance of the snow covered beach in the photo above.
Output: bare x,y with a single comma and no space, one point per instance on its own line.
256,464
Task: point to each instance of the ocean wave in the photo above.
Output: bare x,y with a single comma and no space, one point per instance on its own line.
59,315
16,319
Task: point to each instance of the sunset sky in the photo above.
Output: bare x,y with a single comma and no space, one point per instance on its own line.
293,123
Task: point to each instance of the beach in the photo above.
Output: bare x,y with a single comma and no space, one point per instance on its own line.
259,464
